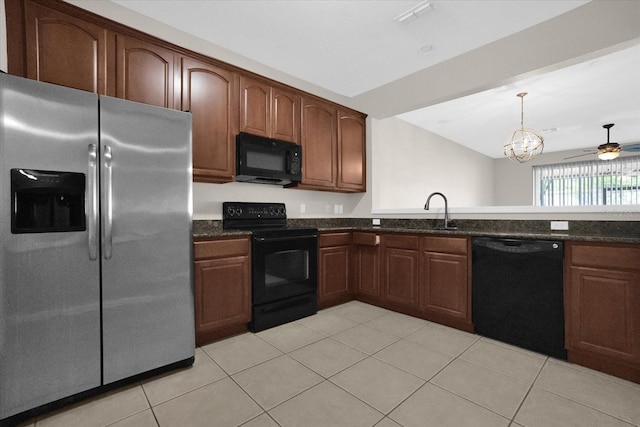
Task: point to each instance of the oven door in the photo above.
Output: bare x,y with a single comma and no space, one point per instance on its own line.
284,266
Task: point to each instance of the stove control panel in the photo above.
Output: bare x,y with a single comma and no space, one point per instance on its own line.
252,211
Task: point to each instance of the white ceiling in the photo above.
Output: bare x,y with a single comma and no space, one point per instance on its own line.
351,47
569,106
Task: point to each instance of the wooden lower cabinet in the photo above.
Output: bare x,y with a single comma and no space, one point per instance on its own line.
423,276
333,268
222,277
445,282
602,307
400,269
366,266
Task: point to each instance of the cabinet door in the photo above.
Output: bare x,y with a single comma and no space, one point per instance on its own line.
255,107
444,284
351,152
602,312
144,72
285,115
209,93
333,280
64,50
366,264
222,293
319,138
400,269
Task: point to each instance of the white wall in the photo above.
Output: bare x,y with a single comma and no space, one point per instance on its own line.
409,163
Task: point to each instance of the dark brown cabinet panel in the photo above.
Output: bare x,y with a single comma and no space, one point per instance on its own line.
285,115
255,107
209,93
222,277
56,42
319,143
602,296
351,152
366,265
400,269
333,270
144,72
445,288
269,111
65,50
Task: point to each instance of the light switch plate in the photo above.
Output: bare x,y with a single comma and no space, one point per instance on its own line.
375,222
560,225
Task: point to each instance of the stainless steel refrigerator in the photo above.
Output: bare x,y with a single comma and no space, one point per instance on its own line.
96,246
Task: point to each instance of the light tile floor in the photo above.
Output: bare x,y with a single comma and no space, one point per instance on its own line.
359,365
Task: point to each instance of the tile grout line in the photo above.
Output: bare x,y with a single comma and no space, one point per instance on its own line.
631,423
513,419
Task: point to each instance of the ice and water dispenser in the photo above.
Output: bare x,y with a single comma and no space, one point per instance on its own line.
47,201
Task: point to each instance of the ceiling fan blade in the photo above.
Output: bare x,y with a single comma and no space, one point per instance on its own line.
581,155
631,147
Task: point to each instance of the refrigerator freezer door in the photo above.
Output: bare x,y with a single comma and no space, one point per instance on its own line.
49,288
148,314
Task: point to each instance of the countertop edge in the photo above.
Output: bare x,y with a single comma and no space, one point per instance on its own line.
461,233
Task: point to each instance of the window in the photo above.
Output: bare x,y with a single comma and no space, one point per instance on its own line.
595,182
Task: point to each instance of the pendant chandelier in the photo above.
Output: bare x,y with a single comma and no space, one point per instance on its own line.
523,144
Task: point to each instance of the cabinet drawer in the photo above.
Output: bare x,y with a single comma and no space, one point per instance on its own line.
604,255
449,245
401,242
221,248
334,239
366,239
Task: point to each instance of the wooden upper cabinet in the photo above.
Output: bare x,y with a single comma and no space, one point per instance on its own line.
351,151
285,115
319,144
144,72
269,110
65,50
255,107
57,42
209,93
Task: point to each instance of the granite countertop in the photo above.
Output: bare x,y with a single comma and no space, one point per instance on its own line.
592,231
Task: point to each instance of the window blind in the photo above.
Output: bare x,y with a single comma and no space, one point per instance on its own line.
588,183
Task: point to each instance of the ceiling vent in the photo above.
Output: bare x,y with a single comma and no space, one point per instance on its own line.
407,17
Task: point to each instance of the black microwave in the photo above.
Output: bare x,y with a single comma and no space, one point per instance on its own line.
267,161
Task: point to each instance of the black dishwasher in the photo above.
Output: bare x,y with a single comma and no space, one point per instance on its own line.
517,293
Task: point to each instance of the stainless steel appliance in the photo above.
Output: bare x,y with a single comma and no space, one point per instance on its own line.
267,161
284,263
96,255
518,292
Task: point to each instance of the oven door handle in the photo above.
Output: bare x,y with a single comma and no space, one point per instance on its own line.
282,239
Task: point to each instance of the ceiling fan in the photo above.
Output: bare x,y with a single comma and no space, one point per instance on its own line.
609,150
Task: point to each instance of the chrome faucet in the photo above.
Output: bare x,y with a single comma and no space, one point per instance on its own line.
446,210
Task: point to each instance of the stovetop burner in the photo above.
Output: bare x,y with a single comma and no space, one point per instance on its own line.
263,219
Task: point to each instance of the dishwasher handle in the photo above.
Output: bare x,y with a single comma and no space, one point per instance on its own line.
519,246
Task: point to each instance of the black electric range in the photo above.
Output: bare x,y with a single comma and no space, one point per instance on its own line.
284,262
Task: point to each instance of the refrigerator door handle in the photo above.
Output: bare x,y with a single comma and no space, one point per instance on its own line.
92,223
108,203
